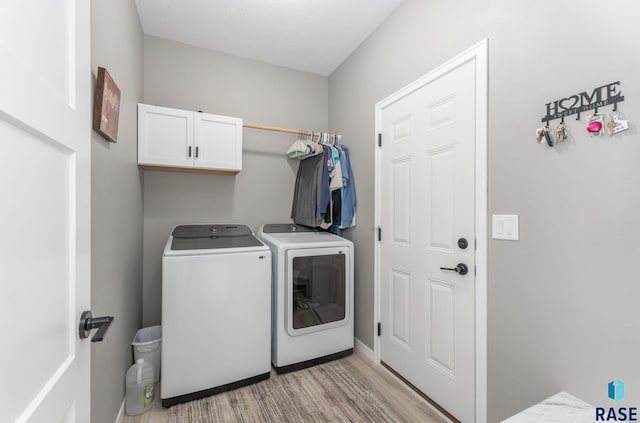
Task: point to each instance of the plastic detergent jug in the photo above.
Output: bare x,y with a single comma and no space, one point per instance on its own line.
140,393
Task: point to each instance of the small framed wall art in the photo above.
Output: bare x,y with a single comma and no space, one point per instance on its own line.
106,107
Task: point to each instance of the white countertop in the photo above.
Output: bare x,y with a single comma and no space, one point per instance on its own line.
560,408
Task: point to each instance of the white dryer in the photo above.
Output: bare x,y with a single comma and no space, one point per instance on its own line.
312,296
216,311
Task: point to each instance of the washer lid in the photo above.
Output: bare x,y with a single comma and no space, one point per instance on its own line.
199,231
209,237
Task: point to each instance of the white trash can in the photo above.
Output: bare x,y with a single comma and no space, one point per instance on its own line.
146,344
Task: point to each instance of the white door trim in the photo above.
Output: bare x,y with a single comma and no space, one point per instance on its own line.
479,54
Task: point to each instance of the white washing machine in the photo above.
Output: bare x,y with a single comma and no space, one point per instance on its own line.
312,296
216,311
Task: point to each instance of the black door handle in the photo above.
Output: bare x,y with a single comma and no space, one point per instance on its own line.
88,323
460,269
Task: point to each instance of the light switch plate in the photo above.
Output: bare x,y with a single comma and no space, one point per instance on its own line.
506,226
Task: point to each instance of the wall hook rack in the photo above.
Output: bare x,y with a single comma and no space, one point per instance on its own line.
581,102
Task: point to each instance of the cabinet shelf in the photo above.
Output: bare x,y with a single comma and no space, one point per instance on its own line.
189,170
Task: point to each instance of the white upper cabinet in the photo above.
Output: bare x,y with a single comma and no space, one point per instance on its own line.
185,141
165,136
218,142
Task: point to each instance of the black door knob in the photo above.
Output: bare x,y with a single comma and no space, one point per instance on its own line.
88,323
460,269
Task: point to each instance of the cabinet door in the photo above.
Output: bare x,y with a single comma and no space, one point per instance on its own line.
165,136
218,142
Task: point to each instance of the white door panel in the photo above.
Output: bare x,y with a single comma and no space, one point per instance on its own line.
401,308
401,211
440,302
427,202
45,120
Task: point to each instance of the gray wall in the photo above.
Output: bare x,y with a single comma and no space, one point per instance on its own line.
563,300
116,207
191,78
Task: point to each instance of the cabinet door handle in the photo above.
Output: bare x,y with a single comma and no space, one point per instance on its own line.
197,148
189,151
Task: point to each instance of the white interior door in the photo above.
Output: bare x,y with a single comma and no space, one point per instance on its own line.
45,121
427,204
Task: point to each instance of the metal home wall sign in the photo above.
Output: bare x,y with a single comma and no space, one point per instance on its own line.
581,102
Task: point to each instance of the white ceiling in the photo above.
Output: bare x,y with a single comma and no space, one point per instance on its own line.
308,35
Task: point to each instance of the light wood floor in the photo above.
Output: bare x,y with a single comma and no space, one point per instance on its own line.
396,396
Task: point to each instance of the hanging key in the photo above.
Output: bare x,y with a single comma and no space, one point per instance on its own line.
610,126
561,132
547,136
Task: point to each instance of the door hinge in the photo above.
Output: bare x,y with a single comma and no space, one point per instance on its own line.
380,140
379,233
379,328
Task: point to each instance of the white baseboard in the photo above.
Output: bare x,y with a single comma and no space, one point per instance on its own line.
361,347
120,416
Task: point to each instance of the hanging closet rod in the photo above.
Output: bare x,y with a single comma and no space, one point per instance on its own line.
288,131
